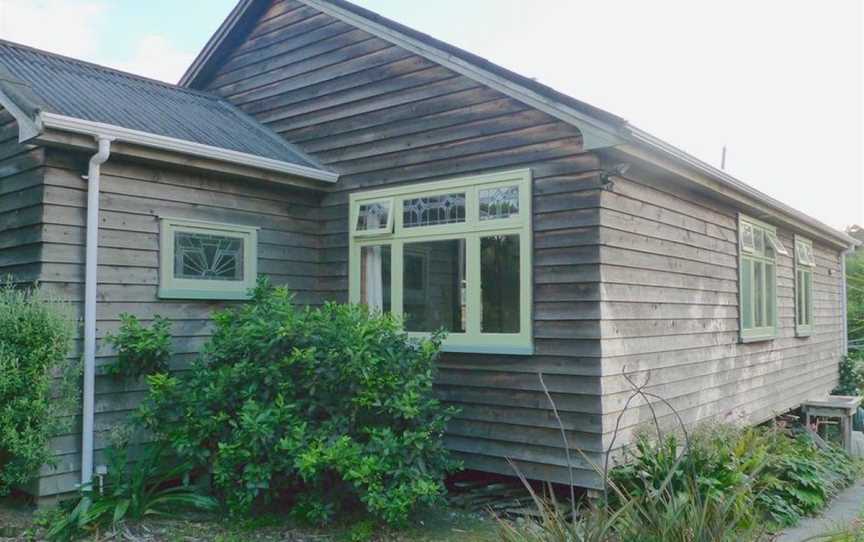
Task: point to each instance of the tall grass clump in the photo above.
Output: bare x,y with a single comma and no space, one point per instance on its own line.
718,483
35,335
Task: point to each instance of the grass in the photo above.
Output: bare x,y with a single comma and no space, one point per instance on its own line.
18,522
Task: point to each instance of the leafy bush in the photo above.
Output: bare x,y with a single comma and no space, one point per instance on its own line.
788,475
140,350
35,333
148,487
851,375
329,405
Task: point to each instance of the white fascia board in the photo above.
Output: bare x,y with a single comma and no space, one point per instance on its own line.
146,139
595,134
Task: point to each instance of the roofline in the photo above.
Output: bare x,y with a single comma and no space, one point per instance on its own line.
215,41
658,145
70,124
597,133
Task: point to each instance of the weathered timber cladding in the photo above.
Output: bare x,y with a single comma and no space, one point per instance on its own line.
669,314
133,197
381,116
20,204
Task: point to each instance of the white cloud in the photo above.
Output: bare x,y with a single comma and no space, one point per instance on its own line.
62,26
156,57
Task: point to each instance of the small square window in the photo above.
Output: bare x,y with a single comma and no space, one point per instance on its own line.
206,260
748,243
498,202
774,241
374,217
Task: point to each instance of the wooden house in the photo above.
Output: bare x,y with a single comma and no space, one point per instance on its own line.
354,159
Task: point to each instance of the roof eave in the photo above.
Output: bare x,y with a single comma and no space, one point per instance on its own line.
657,145
54,121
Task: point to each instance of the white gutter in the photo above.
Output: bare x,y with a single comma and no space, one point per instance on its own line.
146,139
90,285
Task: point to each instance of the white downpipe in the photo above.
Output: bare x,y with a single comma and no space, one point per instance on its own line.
90,285
843,301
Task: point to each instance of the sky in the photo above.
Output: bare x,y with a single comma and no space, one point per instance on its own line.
778,82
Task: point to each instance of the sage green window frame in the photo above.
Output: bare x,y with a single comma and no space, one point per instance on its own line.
751,255
805,266
472,230
172,287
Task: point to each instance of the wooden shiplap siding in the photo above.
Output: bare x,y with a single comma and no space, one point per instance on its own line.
380,115
20,204
133,196
669,266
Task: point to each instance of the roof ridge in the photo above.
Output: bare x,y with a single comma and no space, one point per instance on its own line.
106,69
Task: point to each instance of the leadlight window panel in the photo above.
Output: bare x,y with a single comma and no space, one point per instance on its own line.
748,243
774,241
374,217
804,252
204,256
206,260
433,210
498,202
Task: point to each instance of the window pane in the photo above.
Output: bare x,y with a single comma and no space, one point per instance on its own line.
747,241
758,241
808,295
500,202
202,256
799,297
433,210
375,277
758,294
499,270
769,295
373,216
437,300
746,293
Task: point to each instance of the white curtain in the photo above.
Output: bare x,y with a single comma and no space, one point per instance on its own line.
374,273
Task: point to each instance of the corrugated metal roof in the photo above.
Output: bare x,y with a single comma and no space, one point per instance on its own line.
91,92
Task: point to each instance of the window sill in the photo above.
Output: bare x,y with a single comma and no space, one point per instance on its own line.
507,350
182,293
756,339
803,333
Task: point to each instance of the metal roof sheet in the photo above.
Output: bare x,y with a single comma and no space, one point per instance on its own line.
91,92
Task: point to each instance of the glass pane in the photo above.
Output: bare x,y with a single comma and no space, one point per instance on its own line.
499,270
770,298
434,286
375,277
433,210
758,241
747,237
799,297
501,202
747,293
758,294
808,298
373,216
203,256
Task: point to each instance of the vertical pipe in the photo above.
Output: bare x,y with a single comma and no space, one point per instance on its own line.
843,302
91,261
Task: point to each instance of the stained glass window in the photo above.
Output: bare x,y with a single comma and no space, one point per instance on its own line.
373,216
433,210
500,202
208,257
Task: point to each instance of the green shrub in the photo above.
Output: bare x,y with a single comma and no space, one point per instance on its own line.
140,350
329,405
35,333
851,375
787,475
148,487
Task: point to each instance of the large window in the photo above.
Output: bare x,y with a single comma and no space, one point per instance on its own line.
758,248
450,255
804,266
206,260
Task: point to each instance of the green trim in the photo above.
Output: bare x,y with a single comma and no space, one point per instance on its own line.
171,287
472,230
185,293
803,320
765,305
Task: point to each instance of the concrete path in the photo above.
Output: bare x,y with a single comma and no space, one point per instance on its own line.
844,509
